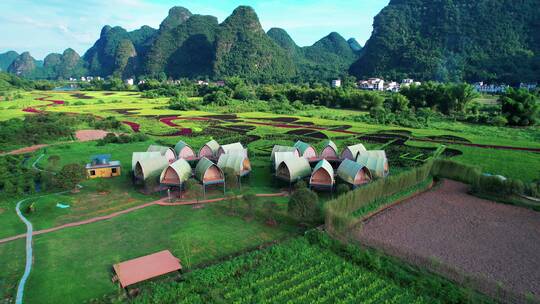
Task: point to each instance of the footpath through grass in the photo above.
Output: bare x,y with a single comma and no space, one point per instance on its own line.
74,265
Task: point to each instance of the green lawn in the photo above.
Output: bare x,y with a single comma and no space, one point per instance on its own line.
73,265
514,164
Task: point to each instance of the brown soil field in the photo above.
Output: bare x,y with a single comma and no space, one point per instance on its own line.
89,135
493,246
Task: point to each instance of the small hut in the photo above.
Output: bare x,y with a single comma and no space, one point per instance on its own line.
353,173
377,165
176,174
322,176
278,148
235,148
209,174
306,150
184,151
293,169
101,166
147,172
279,157
237,163
351,152
330,152
209,150
166,152
137,156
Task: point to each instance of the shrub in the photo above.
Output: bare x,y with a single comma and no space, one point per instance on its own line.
300,185
498,186
304,205
250,200
69,176
457,171
342,189
180,103
218,98
499,121
231,179
111,138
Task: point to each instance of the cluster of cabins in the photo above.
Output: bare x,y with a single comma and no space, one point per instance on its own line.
162,167
355,165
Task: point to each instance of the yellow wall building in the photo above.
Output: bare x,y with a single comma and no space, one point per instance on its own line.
102,167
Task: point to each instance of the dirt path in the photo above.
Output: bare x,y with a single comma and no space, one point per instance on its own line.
161,202
81,135
463,236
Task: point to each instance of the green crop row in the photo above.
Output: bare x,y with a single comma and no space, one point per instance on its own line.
292,272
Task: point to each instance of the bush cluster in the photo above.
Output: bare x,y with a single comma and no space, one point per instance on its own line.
112,138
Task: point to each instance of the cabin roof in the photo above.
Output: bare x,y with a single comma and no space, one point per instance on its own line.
232,147
146,267
278,148
374,164
182,169
136,156
298,167
110,164
152,167
348,170
374,153
356,149
203,165
279,157
160,149
324,165
181,145
213,145
232,161
331,144
302,146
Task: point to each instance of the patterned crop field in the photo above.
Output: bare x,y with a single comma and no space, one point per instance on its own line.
292,272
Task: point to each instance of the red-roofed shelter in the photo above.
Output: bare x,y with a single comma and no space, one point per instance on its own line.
146,268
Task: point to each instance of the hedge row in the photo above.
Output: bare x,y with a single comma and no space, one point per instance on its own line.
482,184
341,213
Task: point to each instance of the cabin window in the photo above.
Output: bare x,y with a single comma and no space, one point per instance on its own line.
113,170
93,172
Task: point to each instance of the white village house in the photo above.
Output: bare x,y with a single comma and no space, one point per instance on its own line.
336,83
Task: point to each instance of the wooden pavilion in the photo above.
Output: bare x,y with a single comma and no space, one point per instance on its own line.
145,268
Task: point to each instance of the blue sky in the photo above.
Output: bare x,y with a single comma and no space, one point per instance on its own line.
44,26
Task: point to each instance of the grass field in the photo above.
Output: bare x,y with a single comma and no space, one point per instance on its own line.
74,265
143,111
515,164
